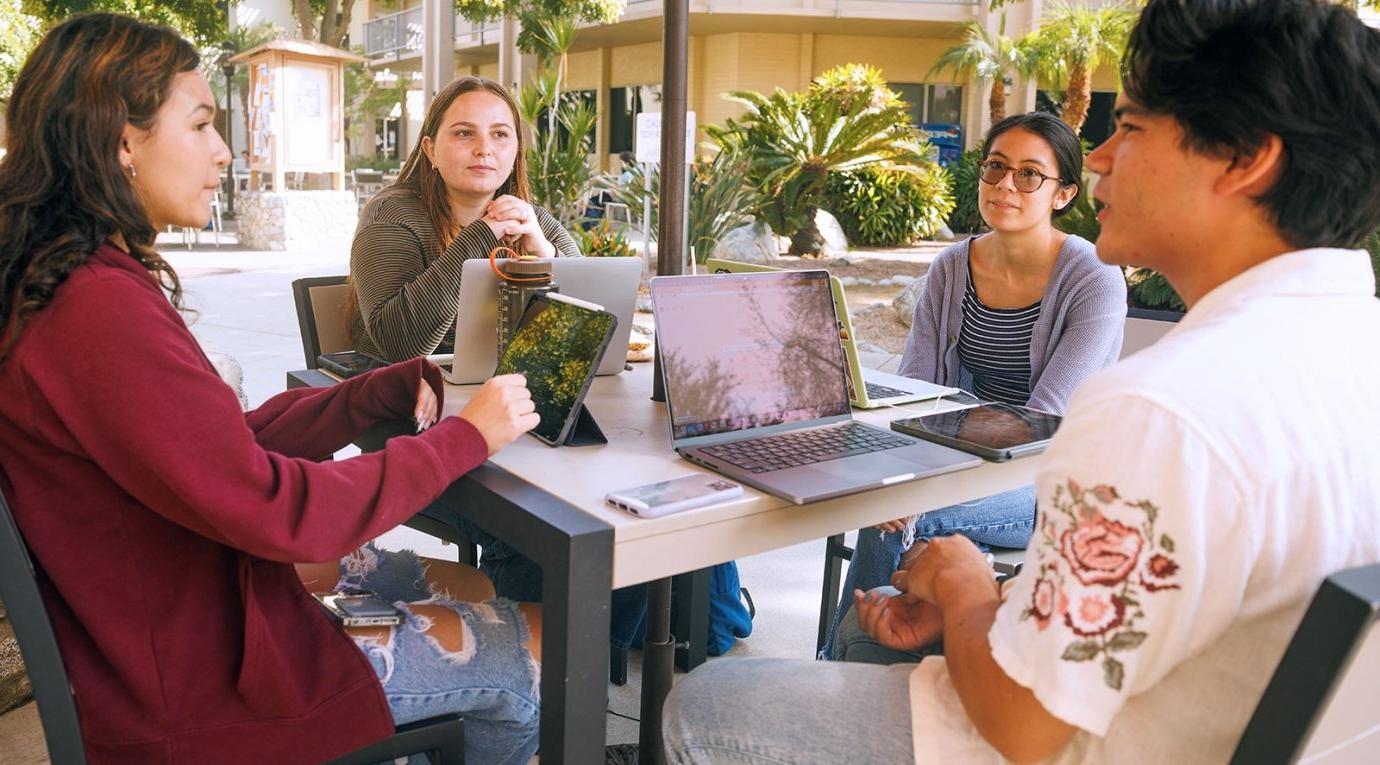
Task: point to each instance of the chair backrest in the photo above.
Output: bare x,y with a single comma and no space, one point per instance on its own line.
321,316
1319,707
38,644
1145,328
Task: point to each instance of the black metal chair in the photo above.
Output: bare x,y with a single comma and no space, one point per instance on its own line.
442,738
1320,704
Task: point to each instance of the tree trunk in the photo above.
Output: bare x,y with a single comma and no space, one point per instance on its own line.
996,102
1079,96
806,240
347,12
306,24
328,34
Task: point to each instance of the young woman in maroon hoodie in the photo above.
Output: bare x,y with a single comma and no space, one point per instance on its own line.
164,522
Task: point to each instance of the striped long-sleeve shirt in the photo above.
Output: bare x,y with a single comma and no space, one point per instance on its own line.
406,285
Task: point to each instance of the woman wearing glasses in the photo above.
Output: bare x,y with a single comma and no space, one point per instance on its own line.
1020,314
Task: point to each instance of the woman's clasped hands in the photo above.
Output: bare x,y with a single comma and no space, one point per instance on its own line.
514,223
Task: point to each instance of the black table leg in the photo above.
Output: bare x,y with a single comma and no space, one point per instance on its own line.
690,620
835,553
658,653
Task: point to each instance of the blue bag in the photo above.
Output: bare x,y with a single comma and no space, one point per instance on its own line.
729,618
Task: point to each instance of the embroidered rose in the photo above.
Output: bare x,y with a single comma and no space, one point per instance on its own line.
1091,614
1158,573
1042,601
1101,551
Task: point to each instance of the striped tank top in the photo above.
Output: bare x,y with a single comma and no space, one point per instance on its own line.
994,346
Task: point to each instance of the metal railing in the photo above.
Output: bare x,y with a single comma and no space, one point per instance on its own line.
400,34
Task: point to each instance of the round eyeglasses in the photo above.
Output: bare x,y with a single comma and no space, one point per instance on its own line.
1027,179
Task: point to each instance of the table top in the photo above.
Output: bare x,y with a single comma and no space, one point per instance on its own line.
639,452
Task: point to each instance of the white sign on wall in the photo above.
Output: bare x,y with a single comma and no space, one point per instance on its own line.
648,144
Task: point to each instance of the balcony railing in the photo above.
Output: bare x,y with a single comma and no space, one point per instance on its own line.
400,34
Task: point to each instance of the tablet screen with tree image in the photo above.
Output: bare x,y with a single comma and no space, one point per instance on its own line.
557,346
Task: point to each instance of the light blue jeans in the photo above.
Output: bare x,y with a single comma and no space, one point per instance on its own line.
1001,520
493,680
790,712
854,644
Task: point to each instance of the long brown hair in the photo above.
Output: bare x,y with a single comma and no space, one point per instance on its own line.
62,190
420,175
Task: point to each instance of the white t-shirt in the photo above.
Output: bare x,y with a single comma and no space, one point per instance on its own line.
1194,498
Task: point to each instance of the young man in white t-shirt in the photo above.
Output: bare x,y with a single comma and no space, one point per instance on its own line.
1198,492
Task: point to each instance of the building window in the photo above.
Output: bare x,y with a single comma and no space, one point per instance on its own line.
624,105
931,104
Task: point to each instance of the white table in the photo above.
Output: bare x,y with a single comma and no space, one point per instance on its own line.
548,503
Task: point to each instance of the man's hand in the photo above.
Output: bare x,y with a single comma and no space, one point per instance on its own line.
502,411
929,570
901,623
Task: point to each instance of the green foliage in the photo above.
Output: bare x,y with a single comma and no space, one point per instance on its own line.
965,217
1149,289
603,242
19,33
1082,218
720,198
558,170
990,59
371,162
884,208
199,20
532,14
793,141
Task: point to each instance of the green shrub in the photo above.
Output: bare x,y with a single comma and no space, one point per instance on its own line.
603,242
1149,289
884,207
965,217
1082,219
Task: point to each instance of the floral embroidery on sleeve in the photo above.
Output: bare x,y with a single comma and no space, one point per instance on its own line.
1103,569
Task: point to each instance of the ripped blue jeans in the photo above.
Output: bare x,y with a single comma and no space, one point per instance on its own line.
493,680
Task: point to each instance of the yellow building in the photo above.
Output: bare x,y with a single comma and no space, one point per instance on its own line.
744,45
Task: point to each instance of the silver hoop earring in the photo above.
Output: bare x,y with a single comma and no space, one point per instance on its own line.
132,174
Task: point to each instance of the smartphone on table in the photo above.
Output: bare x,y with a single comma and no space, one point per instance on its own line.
672,496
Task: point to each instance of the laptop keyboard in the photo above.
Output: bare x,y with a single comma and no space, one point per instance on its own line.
805,447
881,391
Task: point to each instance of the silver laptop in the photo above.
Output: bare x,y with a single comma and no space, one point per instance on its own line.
610,283
879,388
756,389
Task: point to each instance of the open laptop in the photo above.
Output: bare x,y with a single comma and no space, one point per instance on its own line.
756,389
610,283
879,388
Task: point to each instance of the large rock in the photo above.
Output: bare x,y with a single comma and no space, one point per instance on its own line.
297,220
904,302
753,243
835,242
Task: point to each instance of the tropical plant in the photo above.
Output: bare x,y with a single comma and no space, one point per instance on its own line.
558,169
880,207
1072,42
531,14
990,59
603,242
1150,289
720,198
792,142
964,173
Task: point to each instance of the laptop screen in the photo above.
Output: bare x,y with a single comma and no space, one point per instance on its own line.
743,351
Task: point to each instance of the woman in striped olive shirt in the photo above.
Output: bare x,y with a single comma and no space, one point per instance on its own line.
462,192
1021,315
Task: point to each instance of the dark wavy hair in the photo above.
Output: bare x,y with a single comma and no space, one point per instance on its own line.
62,190
1068,151
1234,72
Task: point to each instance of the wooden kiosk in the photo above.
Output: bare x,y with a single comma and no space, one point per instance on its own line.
296,110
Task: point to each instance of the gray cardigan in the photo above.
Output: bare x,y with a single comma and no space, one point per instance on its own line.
1079,331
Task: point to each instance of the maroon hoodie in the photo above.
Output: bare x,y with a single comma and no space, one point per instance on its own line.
164,522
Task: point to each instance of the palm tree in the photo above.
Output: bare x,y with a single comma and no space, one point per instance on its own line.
988,58
1072,42
794,140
